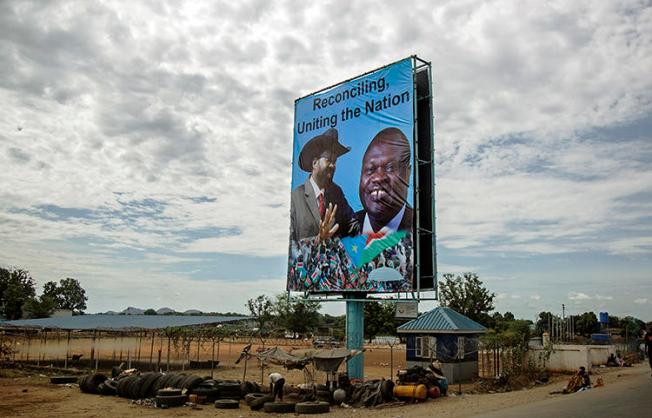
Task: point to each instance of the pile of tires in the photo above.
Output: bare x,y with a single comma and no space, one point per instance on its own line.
229,389
206,390
170,389
92,383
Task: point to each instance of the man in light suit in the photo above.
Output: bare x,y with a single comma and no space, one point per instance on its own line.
319,208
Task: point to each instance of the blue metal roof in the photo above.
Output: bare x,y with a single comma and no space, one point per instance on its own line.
120,322
442,320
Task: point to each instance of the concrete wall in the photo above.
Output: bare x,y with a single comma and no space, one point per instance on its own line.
569,357
466,370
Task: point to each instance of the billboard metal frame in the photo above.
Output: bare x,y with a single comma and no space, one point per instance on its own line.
427,162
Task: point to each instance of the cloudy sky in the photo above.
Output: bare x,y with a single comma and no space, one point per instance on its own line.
145,147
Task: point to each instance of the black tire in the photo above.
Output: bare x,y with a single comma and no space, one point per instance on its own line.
82,384
164,380
108,388
111,383
211,394
122,383
126,386
90,383
229,386
104,389
133,390
177,400
279,407
227,404
192,382
246,388
387,390
168,392
312,407
258,403
209,383
229,390
60,380
170,381
146,386
177,381
250,397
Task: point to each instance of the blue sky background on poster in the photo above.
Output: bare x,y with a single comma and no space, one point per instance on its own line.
356,132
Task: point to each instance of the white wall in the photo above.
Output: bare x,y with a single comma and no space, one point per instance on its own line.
569,357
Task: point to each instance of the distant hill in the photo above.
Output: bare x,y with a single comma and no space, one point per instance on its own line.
133,311
163,311
169,311
192,312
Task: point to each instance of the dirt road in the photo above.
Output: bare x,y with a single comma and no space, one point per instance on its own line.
35,397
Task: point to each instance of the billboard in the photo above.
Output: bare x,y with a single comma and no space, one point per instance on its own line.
352,202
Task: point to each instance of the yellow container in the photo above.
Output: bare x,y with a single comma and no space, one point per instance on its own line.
411,391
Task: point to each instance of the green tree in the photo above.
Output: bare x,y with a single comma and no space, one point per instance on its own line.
263,310
149,311
542,324
631,327
16,288
39,307
335,323
68,294
586,324
300,316
466,295
379,319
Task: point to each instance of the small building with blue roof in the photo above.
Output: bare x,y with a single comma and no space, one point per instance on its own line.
445,335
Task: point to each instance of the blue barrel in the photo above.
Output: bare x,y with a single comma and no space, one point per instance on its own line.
601,338
604,318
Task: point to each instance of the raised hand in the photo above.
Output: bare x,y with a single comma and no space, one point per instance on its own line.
327,226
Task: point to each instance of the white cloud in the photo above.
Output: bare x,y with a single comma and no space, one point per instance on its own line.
578,296
140,102
641,301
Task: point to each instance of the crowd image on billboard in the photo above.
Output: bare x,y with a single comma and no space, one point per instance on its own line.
351,203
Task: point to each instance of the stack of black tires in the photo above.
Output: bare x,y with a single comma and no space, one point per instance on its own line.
169,389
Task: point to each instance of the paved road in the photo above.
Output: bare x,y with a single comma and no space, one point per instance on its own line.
631,397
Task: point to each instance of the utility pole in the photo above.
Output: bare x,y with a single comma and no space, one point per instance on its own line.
563,322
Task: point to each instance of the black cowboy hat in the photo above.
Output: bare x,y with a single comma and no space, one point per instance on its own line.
318,144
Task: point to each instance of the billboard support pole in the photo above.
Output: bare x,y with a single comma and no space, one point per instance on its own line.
355,334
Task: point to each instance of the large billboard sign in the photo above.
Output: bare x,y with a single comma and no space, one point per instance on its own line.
352,202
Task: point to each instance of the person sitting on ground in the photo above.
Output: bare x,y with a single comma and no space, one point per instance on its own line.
579,381
611,361
619,360
276,382
438,378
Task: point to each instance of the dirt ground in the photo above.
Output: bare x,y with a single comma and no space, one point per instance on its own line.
29,394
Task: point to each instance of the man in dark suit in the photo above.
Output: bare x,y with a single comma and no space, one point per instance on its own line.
384,183
318,206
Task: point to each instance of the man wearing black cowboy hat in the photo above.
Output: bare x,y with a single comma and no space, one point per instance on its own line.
318,206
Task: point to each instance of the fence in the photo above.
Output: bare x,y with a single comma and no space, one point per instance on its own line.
143,349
